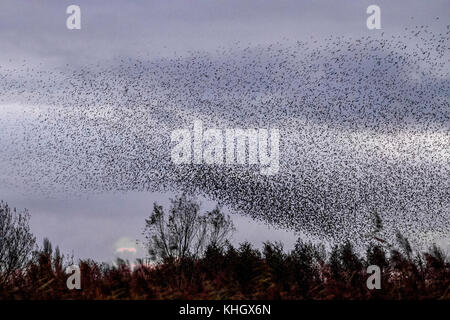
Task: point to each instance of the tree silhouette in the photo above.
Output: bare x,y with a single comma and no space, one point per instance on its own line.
184,232
16,241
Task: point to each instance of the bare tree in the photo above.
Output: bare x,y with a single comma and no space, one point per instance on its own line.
184,232
16,241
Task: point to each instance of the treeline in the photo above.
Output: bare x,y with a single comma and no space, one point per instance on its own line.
192,258
307,272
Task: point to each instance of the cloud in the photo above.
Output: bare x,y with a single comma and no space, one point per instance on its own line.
111,28
123,250
125,245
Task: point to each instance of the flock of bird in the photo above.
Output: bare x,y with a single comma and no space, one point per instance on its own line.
364,124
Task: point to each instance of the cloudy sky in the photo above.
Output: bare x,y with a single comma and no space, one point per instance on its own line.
35,33
37,30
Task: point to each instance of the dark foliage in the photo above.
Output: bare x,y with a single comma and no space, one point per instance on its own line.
16,241
219,270
306,272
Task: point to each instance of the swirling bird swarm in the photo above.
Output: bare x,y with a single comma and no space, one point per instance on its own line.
364,128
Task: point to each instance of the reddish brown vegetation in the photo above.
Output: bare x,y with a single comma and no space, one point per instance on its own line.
244,273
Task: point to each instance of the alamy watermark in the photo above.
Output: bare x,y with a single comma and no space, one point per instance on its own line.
374,20
74,280
374,281
227,147
73,21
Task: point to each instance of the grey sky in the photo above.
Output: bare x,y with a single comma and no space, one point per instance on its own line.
36,29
